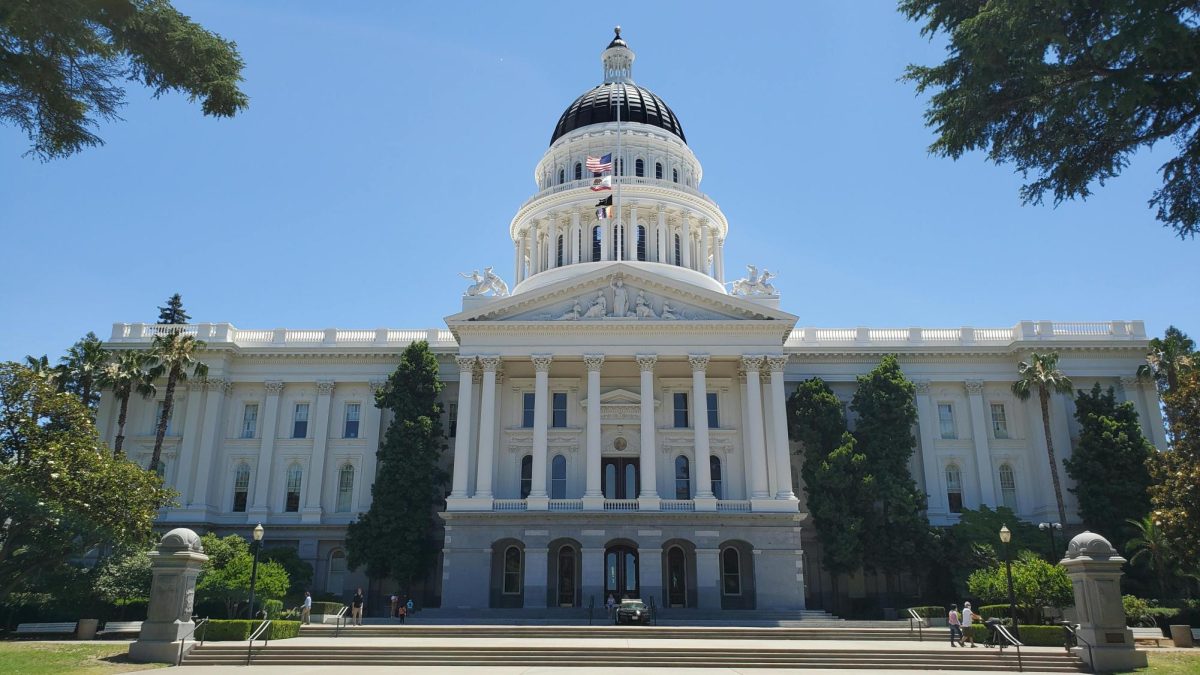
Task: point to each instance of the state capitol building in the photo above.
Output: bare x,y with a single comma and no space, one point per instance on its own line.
617,422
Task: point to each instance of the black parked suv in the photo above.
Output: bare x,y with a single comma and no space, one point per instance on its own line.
632,611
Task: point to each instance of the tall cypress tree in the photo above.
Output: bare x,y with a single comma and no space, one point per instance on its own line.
173,313
896,530
393,538
1109,464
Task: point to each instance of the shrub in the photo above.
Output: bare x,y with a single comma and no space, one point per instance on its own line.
1033,636
240,629
327,607
273,608
930,611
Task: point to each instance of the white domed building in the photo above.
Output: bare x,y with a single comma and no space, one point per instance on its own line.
617,423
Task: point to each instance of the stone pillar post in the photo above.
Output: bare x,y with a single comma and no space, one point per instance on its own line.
175,565
266,452
650,571
1095,571
754,423
593,499
593,577
462,429
661,236
487,431
686,241
979,434
316,467
210,444
536,570
708,578
705,501
926,416
538,500
783,454
648,500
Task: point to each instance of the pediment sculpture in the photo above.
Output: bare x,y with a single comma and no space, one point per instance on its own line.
755,283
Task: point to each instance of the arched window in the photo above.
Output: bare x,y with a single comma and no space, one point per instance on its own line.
512,571
621,166
675,175
1008,486
241,487
954,493
641,242
610,481
678,252
596,234
345,488
291,502
731,572
578,245
337,572
714,471
562,176
526,475
578,171
658,170
639,168
558,477
559,253
683,478
618,239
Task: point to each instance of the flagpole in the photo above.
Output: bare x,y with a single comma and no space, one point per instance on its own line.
620,173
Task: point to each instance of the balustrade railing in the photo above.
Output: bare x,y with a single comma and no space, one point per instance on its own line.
508,505
226,333
677,505
620,505
1041,330
733,505
566,504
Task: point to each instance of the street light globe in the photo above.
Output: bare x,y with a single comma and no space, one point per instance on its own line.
1005,534
258,532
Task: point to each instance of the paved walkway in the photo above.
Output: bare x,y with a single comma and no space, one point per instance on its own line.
542,670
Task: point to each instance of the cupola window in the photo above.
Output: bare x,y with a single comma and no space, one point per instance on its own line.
675,175
639,168
562,176
658,170
596,244
578,171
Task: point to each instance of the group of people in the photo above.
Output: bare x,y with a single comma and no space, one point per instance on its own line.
398,609
960,626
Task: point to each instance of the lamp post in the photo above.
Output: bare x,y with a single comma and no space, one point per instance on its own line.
1005,537
258,535
1049,529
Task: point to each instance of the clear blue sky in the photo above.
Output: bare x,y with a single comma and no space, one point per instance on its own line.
387,146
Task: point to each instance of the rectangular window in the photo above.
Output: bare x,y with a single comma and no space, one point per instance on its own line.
352,412
345,488
452,419
527,410
681,410
292,500
241,486
954,495
158,411
559,416
300,421
249,420
999,421
714,419
946,420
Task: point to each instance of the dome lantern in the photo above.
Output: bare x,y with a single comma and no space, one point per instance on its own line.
618,60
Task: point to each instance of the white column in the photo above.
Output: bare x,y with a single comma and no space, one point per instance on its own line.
926,415
631,233
316,467
210,444
648,499
719,259
661,236
983,456
686,241
783,454
605,233
266,451
372,418
705,501
705,245
462,428
487,428
535,248
517,260
541,394
576,235
186,458
593,498
754,423
552,242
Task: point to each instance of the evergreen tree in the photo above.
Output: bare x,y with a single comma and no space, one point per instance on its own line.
1175,494
896,530
1168,358
173,313
1109,464
393,539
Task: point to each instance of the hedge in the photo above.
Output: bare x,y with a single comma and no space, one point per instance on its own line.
327,607
1033,636
219,630
273,608
930,611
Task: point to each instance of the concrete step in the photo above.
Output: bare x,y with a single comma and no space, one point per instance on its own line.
834,632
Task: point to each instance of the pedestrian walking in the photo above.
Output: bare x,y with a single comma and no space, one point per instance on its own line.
395,611
955,627
969,617
611,605
408,606
306,608
403,613
356,607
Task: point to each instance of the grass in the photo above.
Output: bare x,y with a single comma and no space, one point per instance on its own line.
1172,663
67,658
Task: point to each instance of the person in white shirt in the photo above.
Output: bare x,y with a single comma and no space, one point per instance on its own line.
968,616
306,608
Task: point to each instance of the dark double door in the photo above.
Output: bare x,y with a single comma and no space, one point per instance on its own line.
619,477
621,573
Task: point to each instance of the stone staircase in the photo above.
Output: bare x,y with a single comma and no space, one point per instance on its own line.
852,630
579,616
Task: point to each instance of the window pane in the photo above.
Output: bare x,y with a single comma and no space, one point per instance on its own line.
1008,486
954,495
352,413
714,420
292,503
683,478
526,475
560,410
714,472
527,410
999,421
731,572
452,420
946,420
300,424
681,410
558,477
345,488
631,481
241,485
610,481
249,420
512,570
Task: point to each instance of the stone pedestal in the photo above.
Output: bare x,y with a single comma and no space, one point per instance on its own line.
1095,571
175,565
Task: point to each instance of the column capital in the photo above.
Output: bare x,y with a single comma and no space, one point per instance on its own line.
477,377
218,384
324,387
662,208
974,387
541,362
273,387
466,364
922,387
646,362
195,385
699,362
752,362
490,363
777,362
377,385
593,362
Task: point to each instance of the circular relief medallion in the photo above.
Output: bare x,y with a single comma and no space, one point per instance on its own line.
620,443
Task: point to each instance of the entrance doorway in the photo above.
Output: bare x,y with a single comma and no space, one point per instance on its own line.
621,573
676,578
619,478
566,577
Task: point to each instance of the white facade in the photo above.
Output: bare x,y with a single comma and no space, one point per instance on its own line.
584,455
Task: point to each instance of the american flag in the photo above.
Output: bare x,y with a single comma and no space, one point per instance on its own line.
600,164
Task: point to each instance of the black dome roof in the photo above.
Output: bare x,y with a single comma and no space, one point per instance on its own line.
597,106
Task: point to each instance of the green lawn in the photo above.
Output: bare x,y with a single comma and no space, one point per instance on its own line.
1172,663
73,658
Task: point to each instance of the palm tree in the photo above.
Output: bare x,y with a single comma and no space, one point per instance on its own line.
173,354
1041,373
129,373
1168,358
40,365
81,365
1151,543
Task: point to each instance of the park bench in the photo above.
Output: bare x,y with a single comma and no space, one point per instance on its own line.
1154,635
63,628
121,628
